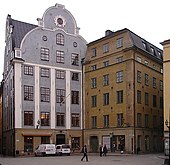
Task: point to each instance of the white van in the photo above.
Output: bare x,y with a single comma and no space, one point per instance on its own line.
45,149
63,149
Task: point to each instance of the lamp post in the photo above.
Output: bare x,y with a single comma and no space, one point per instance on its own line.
167,143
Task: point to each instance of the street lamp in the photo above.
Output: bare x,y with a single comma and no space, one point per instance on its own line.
38,124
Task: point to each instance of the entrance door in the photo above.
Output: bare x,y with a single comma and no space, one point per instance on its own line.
60,139
94,143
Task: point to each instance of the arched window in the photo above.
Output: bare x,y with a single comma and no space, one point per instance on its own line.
60,39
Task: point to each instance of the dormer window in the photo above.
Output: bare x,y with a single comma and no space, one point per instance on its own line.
152,50
159,55
144,45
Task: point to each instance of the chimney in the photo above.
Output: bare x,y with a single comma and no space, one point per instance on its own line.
108,32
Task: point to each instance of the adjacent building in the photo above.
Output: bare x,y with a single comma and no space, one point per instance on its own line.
0,118
42,82
166,80
123,93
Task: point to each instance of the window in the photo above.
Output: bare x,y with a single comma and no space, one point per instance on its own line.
28,93
60,56
28,70
60,96
146,79
28,118
106,99
75,119
74,97
94,52
45,94
75,76
75,59
139,59
144,45
120,120
93,83
146,63
119,59
45,54
139,97
60,39
93,67
159,55
139,120
105,48
146,98
161,85
106,63
154,66
94,121
45,118
119,76
60,74
146,120
45,72
154,82
152,50
60,119
94,101
106,80
119,43
154,100
106,120
119,97
28,144
139,76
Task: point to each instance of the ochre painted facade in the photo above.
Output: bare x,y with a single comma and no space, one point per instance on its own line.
133,137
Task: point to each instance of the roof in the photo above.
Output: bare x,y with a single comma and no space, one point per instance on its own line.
20,29
165,42
146,46
137,41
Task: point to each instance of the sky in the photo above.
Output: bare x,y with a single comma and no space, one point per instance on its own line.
150,19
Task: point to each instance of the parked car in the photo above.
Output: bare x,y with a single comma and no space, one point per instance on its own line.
63,149
45,149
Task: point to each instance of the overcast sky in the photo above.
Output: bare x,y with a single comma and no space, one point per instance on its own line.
150,19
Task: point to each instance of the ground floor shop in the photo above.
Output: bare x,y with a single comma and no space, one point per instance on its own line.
25,141
140,140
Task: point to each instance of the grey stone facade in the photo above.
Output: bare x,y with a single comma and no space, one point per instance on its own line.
34,56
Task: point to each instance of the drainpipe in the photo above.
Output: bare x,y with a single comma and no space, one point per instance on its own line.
82,74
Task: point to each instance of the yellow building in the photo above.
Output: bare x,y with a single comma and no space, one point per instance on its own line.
166,80
123,93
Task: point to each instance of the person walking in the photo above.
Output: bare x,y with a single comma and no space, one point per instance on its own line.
84,151
101,150
104,150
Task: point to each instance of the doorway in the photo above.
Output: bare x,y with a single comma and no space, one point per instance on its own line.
94,143
60,139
